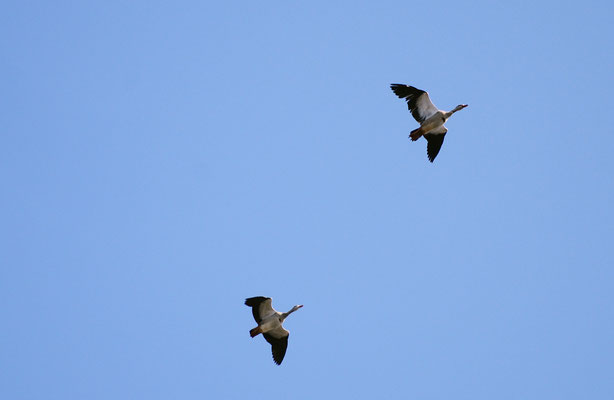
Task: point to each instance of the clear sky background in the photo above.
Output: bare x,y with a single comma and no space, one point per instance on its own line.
162,161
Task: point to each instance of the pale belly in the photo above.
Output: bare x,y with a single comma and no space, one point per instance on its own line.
432,122
269,323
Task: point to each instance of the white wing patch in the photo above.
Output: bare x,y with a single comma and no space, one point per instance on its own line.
425,107
266,309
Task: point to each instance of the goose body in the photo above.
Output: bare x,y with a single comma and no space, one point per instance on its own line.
430,118
270,325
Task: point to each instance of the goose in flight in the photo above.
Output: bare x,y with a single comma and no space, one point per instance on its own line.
269,324
430,118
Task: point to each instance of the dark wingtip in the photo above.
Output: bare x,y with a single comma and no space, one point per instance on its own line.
399,89
430,156
278,356
254,301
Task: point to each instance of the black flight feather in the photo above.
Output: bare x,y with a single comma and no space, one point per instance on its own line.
434,144
278,347
411,95
254,303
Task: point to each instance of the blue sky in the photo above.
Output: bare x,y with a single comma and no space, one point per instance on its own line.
162,162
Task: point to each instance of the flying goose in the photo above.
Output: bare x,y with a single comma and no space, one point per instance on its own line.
269,324
430,118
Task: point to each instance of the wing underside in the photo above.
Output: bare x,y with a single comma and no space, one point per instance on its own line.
435,141
418,101
278,338
261,307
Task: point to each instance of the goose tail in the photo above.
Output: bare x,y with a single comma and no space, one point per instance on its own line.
415,134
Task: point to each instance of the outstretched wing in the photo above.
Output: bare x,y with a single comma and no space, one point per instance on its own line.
418,101
435,141
278,338
261,307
